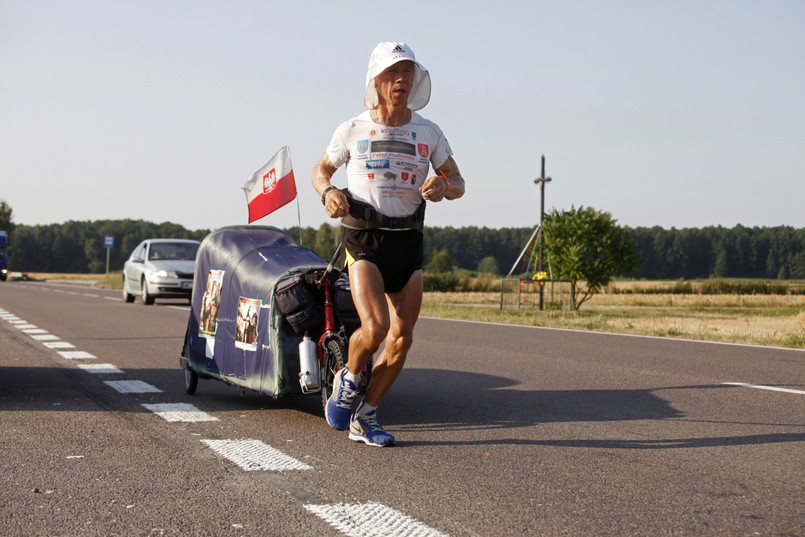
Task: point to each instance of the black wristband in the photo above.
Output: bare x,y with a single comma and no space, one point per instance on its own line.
326,190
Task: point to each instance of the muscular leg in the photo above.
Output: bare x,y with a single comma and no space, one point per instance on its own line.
370,301
392,317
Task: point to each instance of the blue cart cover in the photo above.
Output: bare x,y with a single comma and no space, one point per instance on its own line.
236,332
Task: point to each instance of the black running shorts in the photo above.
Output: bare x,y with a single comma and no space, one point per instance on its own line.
396,253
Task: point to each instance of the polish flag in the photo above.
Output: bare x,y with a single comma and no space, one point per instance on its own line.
271,187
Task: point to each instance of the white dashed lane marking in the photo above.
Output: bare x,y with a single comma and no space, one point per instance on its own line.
253,455
100,369
76,355
58,345
32,331
45,337
357,520
132,386
183,412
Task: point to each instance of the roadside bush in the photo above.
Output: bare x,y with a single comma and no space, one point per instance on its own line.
443,282
451,282
715,286
485,284
723,287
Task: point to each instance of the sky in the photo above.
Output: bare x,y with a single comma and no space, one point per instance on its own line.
674,114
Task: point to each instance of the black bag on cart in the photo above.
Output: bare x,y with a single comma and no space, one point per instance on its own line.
299,305
341,293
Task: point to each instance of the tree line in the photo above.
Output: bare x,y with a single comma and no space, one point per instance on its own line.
690,253
78,247
665,254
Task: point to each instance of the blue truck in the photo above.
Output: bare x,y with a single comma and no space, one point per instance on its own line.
3,256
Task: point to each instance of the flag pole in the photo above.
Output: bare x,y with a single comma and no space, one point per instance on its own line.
299,219
298,211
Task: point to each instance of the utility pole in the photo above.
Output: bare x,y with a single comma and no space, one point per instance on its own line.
541,180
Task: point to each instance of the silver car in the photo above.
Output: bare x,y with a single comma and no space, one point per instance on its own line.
160,268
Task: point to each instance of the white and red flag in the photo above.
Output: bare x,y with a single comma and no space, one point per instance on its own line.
271,187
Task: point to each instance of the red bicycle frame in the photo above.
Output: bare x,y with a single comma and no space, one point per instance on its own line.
331,331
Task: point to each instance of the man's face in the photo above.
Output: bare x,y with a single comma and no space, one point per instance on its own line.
394,84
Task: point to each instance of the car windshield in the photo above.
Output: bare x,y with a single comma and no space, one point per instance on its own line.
174,251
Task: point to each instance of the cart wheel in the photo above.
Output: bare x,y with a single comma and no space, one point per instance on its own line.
335,358
190,380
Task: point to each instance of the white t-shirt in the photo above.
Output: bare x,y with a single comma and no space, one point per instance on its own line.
386,166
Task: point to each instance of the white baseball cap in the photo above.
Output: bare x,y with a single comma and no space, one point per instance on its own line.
384,56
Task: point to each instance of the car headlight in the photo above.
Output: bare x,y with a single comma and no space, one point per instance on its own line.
164,274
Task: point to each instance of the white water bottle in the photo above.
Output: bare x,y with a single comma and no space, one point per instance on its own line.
309,372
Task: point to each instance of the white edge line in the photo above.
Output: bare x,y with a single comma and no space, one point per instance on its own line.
593,332
761,387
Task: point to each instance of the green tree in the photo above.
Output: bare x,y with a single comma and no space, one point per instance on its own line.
771,265
488,265
797,266
441,262
326,241
722,264
6,217
587,246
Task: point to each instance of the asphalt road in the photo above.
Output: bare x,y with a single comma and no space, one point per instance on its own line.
501,430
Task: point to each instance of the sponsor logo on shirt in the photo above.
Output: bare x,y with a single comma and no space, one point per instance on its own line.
377,164
405,165
394,131
363,146
393,146
423,150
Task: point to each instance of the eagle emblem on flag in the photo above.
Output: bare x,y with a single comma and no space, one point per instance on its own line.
269,181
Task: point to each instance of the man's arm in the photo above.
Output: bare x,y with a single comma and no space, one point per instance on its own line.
335,202
450,169
437,189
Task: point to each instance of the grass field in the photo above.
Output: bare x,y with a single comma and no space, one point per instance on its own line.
776,320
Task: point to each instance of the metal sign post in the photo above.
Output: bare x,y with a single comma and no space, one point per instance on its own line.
108,243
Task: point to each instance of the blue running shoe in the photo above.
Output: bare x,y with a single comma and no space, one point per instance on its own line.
366,429
339,406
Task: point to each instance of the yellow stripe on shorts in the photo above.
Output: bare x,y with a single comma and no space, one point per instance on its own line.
349,258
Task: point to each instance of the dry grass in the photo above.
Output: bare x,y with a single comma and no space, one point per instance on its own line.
776,320
114,280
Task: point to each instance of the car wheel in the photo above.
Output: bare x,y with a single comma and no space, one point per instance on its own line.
128,298
147,298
